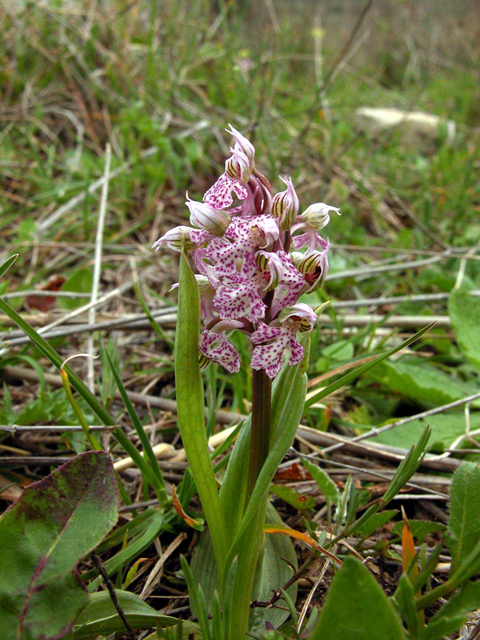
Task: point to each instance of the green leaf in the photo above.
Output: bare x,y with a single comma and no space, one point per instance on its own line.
356,608
326,485
349,377
453,614
80,282
197,600
405,600
285,420
464,313
159,483
292,497
273,573
101,617
446,428
342,350
54,524
190,405
463,531
420,528
376,522
55,359
422,382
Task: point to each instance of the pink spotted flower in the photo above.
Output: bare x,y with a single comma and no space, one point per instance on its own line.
239,243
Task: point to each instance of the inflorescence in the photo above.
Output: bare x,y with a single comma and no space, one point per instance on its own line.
248,278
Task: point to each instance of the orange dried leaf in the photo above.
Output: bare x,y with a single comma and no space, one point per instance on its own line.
195,524
298,535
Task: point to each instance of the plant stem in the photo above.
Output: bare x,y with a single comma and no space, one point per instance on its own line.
260,431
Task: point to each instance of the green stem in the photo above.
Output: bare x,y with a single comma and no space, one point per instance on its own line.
260,431
251,544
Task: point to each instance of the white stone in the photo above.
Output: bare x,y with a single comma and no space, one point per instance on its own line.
415,128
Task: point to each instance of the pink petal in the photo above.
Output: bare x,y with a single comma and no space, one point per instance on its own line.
217,348
219,196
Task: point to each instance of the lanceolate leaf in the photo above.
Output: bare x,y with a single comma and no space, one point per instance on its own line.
55,523
190,403
323,480
464,522
101,617
284,424
356,608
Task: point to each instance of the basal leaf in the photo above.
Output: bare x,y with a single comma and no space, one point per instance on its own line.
422,382
446,428
101,617
79,282
463,531
356,608
190,404
54,524
352,375
464,313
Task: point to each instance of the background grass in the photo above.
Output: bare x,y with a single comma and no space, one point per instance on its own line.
157,81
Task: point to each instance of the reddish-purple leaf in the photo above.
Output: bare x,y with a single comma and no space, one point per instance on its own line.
54,524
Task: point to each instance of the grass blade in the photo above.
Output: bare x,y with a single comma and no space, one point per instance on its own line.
348,377
147,447
5,266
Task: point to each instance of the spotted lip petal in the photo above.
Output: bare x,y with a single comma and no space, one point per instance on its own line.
311,239
235,252
278,341
216,348
239,257
239,297
219,196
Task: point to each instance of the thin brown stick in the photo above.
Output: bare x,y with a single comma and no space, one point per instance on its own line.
113,594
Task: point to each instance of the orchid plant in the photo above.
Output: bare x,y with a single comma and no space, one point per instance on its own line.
248,279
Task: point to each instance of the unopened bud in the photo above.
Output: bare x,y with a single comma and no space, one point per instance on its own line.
317,215
243,145
176,239
203,216
285,206
238,166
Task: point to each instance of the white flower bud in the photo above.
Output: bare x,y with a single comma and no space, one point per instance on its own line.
238,166
243,145
204,216
317,215
285,206
176,239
